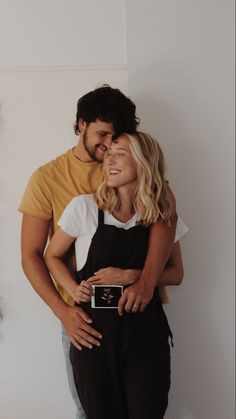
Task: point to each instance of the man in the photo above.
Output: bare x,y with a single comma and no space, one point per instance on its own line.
102,115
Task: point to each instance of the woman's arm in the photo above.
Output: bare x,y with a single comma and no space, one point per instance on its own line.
115,276
55,252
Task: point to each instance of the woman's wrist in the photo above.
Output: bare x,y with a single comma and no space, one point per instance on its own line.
71,289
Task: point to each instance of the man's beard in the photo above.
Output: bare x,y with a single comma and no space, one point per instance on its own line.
91,152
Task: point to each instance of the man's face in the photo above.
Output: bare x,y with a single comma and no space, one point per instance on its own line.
96,137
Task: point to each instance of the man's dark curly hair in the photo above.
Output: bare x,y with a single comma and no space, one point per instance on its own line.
109,105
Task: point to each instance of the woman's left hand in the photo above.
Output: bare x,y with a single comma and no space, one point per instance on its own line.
135,298
114,276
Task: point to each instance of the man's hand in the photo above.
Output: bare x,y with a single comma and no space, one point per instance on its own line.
76,323
135,298
114,276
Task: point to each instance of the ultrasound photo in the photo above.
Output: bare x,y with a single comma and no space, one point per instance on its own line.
106,296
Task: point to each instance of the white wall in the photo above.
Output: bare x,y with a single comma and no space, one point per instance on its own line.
180,66
51,54
181,76
59,32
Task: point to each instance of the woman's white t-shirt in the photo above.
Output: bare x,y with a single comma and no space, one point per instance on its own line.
80,220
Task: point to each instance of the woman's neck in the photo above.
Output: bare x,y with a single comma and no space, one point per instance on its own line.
126,210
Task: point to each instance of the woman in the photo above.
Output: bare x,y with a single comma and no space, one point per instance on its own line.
127,376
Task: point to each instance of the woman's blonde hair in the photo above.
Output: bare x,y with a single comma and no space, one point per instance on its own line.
151,200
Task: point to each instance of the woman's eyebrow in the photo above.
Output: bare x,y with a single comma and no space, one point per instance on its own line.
119,148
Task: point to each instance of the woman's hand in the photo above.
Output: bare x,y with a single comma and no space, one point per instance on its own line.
82,293
114,276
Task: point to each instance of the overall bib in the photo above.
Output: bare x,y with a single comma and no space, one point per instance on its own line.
128,376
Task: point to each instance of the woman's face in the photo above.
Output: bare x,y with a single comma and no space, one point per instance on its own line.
120,166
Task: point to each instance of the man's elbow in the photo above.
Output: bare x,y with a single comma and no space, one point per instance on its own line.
46,258
25,262
179,276
29,259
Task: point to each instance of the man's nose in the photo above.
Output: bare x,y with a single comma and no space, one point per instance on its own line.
108,141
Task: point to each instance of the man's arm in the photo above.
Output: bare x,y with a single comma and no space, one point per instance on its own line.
33,241
172,274
174,271
137,296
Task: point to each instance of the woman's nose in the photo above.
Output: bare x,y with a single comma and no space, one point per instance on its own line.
111,159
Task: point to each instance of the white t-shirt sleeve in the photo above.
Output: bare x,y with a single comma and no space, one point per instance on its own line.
73,218
181,229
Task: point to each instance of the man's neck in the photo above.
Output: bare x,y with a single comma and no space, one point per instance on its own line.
81,154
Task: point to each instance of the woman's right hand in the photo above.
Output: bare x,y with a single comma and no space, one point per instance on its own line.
114,276
82,292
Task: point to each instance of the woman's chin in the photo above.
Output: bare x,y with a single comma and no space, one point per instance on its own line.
112,183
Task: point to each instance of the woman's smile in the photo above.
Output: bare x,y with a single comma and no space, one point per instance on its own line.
120,166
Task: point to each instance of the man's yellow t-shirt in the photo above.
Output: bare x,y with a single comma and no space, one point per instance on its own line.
51,188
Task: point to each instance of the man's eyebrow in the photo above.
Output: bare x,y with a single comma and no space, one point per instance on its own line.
103,132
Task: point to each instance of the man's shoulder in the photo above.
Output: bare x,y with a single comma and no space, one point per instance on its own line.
57,163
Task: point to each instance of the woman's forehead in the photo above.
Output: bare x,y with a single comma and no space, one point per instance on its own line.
122,141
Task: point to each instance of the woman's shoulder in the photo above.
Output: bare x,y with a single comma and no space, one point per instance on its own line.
85,199
84,204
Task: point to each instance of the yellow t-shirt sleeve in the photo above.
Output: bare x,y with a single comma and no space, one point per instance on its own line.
36,200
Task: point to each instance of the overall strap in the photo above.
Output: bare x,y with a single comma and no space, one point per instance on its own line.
100,217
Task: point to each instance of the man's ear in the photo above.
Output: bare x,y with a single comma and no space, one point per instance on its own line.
82,125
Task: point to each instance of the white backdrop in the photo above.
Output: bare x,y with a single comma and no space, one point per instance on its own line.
51,54
38,112
181,75
177,65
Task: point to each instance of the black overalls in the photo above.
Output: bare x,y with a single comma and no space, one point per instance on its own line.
128,376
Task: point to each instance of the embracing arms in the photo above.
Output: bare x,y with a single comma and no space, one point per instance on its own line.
61,242
172,274
54,255
33,241
161,235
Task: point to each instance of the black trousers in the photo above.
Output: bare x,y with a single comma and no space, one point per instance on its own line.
128,376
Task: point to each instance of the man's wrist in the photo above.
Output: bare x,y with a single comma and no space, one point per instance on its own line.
150,283
60,308
132,275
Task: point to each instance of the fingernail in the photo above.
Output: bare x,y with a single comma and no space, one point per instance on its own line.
100,336
98,344
90,347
